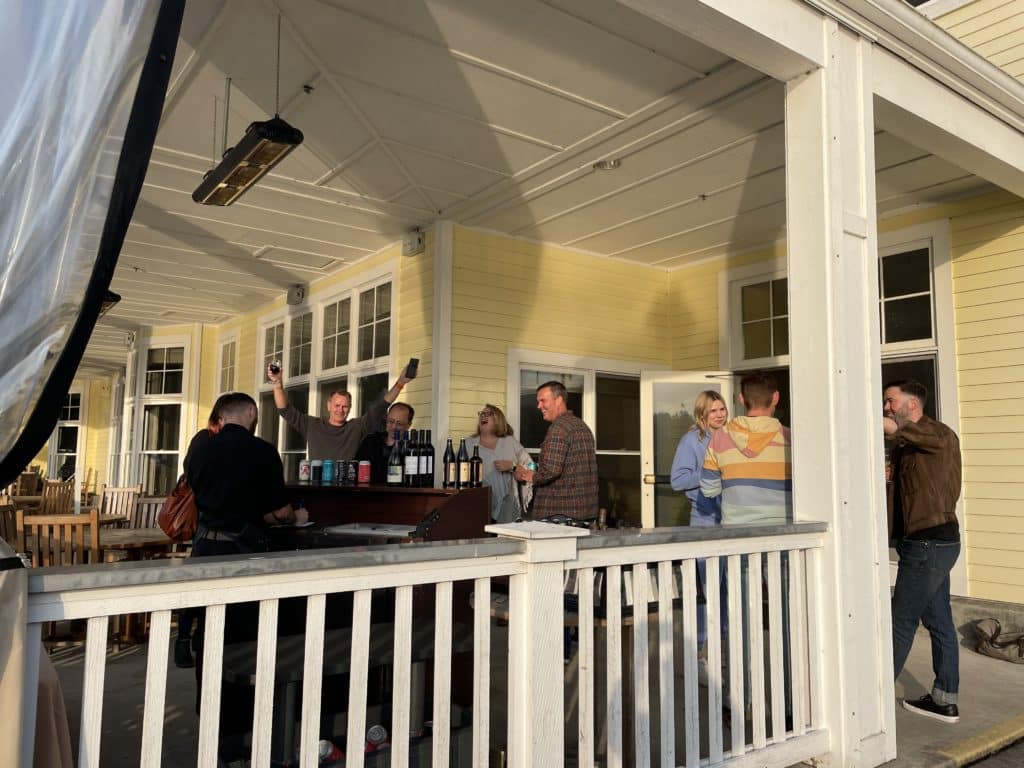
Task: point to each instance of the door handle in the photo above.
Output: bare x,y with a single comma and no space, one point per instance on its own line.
657,479
650,480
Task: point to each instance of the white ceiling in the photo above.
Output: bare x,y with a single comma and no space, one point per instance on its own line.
487,112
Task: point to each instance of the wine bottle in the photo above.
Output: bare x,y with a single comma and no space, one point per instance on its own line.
462,458
412,461
422,480
476,469
428,477
396,462
451,467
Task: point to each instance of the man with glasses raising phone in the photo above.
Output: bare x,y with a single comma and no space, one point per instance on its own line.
376,447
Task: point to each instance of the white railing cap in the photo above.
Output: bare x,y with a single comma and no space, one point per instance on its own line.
534,529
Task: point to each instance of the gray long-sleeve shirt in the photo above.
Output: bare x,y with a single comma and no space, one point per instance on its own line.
326,441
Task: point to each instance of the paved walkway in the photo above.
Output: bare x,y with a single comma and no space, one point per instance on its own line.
991,711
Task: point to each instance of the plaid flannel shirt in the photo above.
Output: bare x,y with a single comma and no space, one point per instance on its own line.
565,482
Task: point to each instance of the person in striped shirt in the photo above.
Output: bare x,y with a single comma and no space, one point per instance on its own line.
748,462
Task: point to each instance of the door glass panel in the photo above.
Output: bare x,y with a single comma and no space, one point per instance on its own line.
921,369
618,490
618,413
672,410
299,397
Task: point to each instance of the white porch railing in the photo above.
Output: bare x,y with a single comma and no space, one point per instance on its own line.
652,710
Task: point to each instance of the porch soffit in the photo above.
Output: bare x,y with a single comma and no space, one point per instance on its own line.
483,112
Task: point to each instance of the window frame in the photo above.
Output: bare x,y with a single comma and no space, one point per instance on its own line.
53,453
320,379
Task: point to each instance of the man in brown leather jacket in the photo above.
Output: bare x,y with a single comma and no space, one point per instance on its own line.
923,525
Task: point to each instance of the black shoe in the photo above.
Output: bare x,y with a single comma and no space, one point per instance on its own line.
183,653
947,713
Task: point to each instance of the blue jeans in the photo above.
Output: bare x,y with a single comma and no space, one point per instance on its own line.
922,595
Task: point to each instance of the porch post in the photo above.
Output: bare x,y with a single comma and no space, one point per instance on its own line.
536,672
836,395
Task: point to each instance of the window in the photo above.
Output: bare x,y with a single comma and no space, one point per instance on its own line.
764,319
610,404
273,344
161,429
375,322
165,370
227,366
905,296
300,345
337,322
64,441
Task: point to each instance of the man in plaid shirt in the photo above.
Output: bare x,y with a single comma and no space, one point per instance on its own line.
565,481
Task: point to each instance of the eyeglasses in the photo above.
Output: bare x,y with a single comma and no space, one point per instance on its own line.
481,414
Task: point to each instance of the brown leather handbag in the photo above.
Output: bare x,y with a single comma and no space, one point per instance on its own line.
992,641
178,516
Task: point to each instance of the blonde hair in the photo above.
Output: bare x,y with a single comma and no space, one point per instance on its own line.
701,409
501,426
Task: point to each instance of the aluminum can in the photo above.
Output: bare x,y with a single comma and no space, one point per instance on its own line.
316,471
351,472
329,753
327,472
304,471
376,738
364,472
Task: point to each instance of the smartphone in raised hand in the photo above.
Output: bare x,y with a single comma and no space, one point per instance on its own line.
410,369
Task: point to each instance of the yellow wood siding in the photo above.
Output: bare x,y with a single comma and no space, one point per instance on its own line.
993,28
98,432
413,303
509,293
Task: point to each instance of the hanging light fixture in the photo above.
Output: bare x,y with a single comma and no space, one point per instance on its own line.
264,145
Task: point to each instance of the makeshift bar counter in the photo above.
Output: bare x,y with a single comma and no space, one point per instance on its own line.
370,514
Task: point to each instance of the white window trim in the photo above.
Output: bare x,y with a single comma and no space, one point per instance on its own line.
730,334
187,399
589,367
82,390
936,8
223,340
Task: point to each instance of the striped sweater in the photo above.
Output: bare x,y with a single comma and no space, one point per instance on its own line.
748,463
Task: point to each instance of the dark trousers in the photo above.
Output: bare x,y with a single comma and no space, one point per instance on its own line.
922,596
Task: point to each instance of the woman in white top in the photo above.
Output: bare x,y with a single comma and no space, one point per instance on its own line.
500,452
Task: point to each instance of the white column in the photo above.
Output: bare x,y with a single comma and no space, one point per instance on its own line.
836,394
536,672
441,365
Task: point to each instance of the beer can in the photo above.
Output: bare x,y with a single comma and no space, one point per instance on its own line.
327,472
351,471
376,738
364,472
316,471
304,471
329,753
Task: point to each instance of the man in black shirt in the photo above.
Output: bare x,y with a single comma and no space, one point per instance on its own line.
238,481
376,447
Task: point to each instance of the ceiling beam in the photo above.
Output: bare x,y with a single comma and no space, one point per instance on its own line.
927,114
783,39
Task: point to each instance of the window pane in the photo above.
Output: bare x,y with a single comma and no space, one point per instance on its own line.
370,388
326,388
757,339
299,397
905,273
756,301
160,427
907,319
172,383
366,342
341,349
619,487
330,319
383,301
175,357
67,439
327,356
300,344
159,473
366,307
920,369
155,359
780,329
344,314
780,298
532,426
382,338
618,413
269,421
154,383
